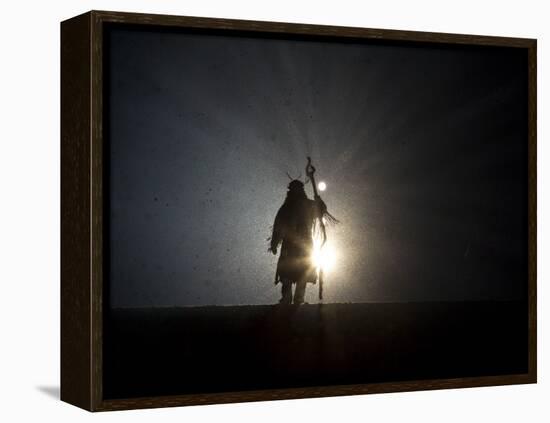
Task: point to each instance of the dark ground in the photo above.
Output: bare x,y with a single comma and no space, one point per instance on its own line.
166,351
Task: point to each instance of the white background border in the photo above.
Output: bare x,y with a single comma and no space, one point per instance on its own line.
29,223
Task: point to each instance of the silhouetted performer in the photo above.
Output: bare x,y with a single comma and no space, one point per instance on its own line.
293,228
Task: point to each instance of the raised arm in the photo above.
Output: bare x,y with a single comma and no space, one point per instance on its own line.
320,206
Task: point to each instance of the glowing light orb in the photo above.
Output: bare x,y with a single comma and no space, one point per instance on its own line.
324,258
322,186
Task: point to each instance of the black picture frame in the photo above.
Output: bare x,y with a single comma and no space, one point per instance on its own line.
84,176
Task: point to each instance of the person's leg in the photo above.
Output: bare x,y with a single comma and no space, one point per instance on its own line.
299,292
286,292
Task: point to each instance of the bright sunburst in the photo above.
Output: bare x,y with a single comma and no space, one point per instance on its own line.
324,257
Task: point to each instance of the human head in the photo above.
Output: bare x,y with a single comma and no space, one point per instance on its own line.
296,186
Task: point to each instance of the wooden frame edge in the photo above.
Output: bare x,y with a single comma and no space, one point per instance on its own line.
311,392
300,28
76,302
532,206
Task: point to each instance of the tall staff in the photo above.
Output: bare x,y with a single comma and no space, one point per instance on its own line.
310,172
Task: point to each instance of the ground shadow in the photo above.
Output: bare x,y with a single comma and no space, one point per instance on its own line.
51,391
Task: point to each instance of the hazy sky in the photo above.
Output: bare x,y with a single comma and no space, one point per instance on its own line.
423,150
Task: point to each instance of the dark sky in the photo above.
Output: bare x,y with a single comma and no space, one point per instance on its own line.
423,149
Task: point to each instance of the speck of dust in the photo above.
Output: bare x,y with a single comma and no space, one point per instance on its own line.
322,186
